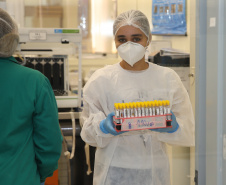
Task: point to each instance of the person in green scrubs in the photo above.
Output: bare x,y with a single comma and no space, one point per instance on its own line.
30,135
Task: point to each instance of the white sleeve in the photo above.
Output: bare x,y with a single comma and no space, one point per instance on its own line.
92,114
181,107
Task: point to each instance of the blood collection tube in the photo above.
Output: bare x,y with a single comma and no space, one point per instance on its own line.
128,110
135,109
168,109
124,110
153,108
142,109
138,109
146,108
117,115
156,107
117,112
160,107
164,107
121,110
131,109
150,104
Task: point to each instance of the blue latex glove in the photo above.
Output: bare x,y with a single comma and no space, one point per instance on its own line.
107,125
174,124
43,183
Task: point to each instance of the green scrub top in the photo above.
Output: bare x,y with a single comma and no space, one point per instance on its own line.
30,136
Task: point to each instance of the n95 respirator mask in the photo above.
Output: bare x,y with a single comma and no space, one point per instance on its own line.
131,52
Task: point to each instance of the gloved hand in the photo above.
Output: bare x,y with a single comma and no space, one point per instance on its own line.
42,183
107,125
174,124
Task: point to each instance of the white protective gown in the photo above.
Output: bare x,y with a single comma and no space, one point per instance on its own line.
135,157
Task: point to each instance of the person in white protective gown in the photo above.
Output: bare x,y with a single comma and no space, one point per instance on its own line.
134,157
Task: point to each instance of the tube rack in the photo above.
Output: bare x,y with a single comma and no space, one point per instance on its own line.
141,123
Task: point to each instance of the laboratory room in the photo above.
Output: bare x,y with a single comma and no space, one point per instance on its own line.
112,92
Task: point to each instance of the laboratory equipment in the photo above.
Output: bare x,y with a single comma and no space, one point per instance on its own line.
48,50
177,60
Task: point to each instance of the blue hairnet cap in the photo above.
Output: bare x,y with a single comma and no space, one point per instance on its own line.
132,18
